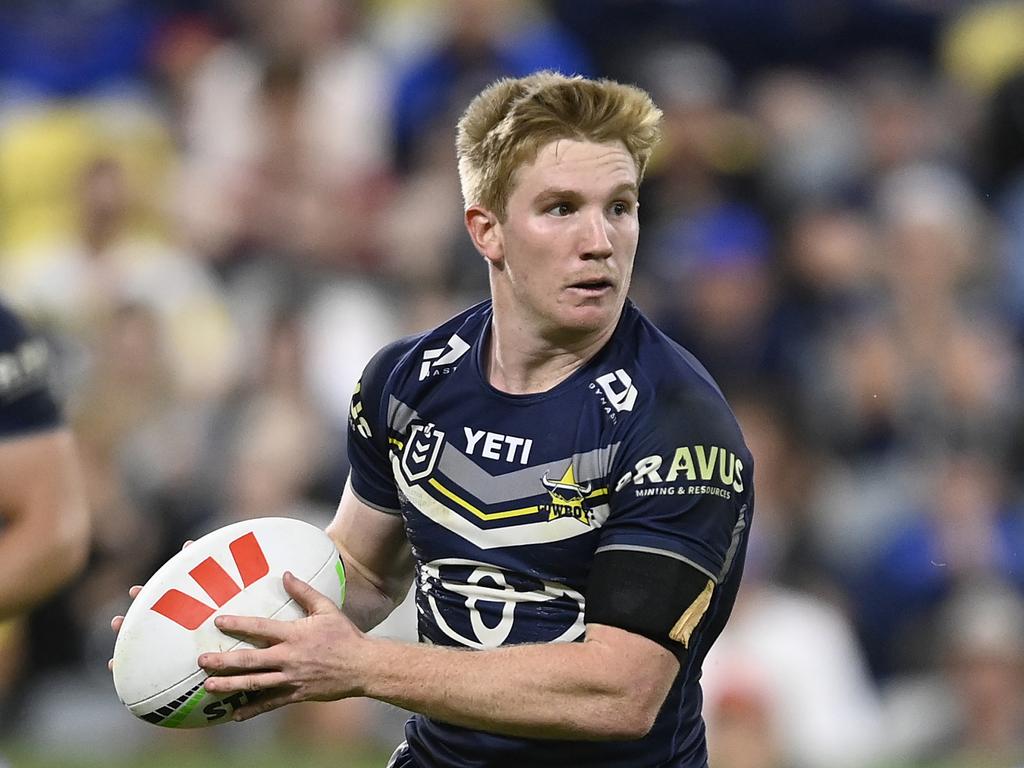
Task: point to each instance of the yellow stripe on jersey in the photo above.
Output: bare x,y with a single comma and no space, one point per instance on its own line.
477,512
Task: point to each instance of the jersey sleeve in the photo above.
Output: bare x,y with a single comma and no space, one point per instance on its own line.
684,482
368,450
26,404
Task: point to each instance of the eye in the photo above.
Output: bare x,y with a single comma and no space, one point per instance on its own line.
622,208
560,209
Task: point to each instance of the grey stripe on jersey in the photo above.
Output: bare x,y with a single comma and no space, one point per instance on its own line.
734,543
510,486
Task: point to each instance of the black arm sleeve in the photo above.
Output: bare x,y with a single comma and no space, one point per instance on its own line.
644,593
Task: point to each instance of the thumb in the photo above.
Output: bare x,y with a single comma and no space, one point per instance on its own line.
312,602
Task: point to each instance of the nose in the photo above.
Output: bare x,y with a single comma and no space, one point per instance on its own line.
595,240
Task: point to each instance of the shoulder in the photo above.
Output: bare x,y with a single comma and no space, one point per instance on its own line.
26,403
667,387
423,356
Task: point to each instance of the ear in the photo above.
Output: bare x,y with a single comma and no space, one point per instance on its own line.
485,231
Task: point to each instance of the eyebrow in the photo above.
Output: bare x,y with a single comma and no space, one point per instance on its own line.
569,194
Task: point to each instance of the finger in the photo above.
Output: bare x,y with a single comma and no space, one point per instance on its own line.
240,661
266,701
110,665
133,592
189,541
251,683
255,629
311,601
116,622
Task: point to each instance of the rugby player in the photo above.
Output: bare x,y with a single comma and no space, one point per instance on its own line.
44,520
566,487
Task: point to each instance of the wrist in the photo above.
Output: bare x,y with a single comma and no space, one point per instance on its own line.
364,654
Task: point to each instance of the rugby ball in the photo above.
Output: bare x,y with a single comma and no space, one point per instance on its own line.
237,569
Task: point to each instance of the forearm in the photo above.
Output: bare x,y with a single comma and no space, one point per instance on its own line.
609,687
553,691
365,604
377,558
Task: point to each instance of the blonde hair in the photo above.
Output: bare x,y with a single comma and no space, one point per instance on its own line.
511,120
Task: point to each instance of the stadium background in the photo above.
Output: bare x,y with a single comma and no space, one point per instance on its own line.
217,210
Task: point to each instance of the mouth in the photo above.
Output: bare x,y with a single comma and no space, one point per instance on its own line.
593,287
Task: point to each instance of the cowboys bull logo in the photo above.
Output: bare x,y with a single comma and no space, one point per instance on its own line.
566,497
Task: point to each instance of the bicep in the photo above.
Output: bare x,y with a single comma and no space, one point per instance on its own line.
374,544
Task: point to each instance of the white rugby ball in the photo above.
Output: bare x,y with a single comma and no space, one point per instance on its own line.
236,569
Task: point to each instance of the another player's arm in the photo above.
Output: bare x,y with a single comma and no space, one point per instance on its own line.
44,539
378,560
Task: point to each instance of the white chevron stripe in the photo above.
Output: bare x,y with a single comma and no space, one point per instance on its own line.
540,532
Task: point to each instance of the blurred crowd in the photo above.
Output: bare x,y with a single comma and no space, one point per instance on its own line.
217,210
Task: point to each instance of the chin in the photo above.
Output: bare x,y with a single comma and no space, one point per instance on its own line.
588,319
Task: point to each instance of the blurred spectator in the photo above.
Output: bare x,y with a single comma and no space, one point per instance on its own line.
483,40
718,294
812,133
745,731
983,637
830,270
284,133
75,285
710,148
968,712
47,148
786,683
966,529
1000,149
900,108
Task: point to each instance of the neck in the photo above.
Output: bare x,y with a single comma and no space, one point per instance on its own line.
521,362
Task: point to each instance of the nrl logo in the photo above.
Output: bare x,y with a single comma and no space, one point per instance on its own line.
421,451
566,497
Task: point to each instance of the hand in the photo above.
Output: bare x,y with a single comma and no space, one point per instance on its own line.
117,621
311,659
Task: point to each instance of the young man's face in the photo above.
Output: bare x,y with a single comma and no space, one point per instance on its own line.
569,238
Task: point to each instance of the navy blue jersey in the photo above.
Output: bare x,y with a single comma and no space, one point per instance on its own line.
25,401
506,499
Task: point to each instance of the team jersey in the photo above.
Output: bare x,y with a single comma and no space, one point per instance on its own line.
25,401
506,500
